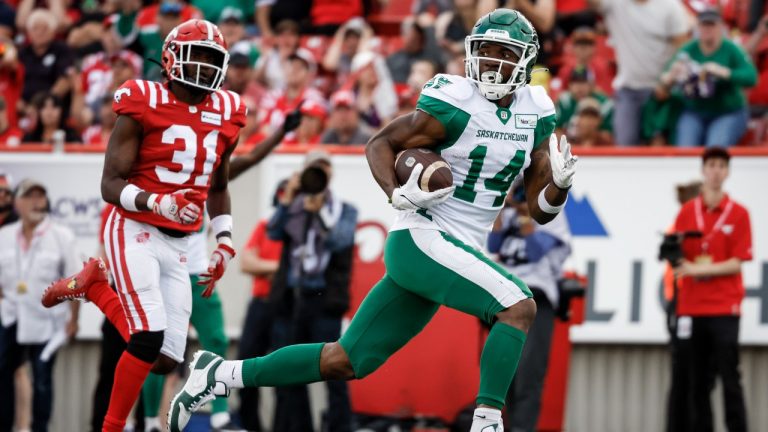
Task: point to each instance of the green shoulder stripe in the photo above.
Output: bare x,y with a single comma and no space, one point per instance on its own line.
453,119
544,128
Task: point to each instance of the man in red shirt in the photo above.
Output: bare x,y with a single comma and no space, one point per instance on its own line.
709,298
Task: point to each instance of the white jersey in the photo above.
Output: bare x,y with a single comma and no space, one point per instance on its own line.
486,146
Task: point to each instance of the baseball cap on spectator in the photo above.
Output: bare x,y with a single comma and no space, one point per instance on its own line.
406,96
584,35
317,156
231,14
313,108
28,185
588,106
239,59
709,15
129,57
715,153
305,56
170,8
582,74
343,98
362,59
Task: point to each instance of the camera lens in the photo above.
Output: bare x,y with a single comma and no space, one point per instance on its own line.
313,180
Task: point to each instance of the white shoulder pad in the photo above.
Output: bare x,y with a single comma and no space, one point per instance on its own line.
541,99
450,88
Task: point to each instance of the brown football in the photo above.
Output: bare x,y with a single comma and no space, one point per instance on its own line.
436,174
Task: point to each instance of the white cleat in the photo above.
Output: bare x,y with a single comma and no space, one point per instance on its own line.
201,387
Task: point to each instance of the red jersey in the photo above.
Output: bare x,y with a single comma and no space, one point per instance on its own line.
726,234
11,85
181,144
268,249
11,137
329,12
96,77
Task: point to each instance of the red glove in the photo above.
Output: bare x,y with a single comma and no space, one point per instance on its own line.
178,206
219,260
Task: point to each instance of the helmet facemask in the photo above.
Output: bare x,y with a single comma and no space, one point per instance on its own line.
187,67
491,83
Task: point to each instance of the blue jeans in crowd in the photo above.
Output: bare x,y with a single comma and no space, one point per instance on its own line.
627,114
12,356
725,130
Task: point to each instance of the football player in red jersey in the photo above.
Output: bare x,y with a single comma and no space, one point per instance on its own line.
167,157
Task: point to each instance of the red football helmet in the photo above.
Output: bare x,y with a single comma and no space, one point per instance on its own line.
187,45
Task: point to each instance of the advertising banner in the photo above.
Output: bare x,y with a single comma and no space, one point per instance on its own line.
618,209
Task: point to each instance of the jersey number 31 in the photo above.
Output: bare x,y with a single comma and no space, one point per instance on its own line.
186,157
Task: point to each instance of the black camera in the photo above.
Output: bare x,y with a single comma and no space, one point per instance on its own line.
313,180
671,248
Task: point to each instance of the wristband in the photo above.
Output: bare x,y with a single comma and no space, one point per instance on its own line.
151,201
128,197
548,208
221,224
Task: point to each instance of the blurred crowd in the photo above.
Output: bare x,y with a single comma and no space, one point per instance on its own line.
621,72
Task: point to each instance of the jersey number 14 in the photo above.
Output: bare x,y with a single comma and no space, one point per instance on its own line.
499,183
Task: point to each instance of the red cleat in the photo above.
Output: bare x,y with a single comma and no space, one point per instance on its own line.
76,287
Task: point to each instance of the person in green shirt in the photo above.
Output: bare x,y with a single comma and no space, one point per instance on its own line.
711,72
581,85
150,38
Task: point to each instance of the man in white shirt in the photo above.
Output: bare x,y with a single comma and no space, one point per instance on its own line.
645,35
34,251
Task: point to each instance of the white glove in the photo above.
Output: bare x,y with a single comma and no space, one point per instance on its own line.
562,161
410,196
177,206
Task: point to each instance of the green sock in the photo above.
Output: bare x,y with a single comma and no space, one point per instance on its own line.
498,363
291,365
152,393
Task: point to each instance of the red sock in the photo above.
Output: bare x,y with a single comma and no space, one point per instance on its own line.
106,299
129,378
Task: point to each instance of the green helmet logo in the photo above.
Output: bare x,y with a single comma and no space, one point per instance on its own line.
509,28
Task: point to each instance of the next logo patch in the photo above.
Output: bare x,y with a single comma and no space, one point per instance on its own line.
526,121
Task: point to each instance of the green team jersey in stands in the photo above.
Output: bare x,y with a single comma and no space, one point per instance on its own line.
487,147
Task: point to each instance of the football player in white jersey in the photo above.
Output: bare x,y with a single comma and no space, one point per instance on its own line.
489,126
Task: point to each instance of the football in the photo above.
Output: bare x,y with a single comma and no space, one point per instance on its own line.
436,174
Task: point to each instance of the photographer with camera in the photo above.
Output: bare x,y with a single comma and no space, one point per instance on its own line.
712,238
310,291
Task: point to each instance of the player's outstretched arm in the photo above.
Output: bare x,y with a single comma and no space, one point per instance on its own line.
417,129
548,179
240,164
219,208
